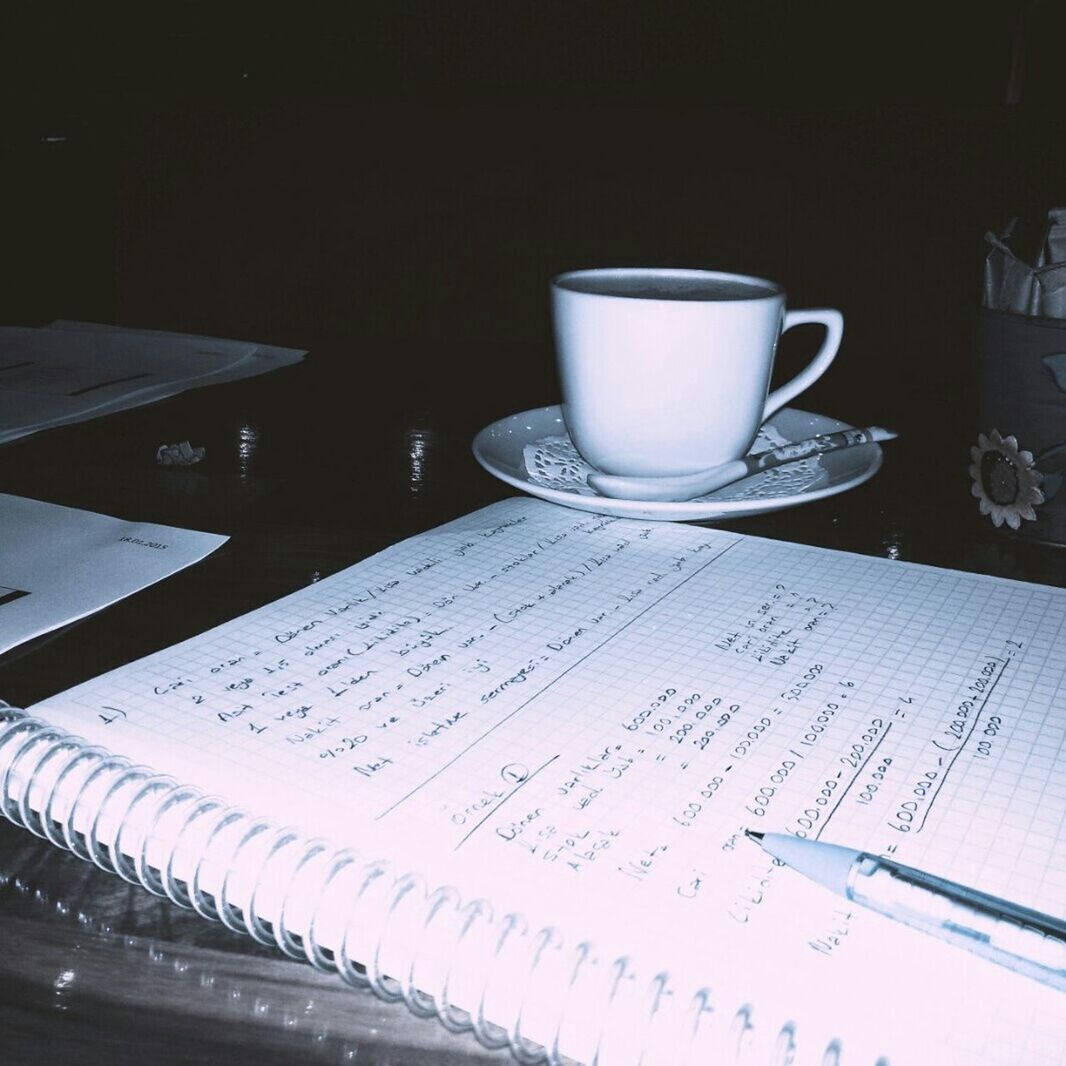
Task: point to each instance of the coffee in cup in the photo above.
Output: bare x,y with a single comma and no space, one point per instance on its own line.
667,371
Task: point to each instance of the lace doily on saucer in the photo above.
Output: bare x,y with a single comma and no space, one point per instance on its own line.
554,463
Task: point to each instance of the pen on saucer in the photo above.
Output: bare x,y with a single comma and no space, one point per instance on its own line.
1013,936
687,486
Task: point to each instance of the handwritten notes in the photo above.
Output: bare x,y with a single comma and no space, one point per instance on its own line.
577,717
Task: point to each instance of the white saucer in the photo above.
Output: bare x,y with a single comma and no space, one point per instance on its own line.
538,439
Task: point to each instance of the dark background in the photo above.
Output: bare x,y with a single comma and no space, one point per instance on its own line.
392,187
378,184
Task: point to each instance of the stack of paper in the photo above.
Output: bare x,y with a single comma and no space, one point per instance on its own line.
73,371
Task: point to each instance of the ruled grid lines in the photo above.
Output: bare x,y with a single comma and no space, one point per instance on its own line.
540,692
534,688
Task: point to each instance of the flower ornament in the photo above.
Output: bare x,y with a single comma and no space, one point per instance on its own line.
1005,480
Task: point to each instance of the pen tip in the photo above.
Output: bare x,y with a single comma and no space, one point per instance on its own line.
754,834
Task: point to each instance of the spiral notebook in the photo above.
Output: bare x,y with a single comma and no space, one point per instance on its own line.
502,771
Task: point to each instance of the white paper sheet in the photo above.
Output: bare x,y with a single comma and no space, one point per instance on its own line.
575,717
73,371
58,564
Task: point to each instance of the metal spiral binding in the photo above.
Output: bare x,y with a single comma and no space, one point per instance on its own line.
135,823
153,820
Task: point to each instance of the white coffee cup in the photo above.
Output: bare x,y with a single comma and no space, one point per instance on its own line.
666,371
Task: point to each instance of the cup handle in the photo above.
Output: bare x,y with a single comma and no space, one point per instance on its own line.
834,330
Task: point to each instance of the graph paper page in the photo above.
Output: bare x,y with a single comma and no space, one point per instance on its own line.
576,717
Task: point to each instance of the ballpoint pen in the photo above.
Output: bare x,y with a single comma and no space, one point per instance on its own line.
1013,936
688,486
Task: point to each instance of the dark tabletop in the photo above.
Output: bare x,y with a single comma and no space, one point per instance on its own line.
409,248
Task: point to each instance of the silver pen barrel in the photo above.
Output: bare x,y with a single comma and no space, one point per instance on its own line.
1016,937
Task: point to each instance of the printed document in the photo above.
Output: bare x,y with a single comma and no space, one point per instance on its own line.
58,564
73,371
